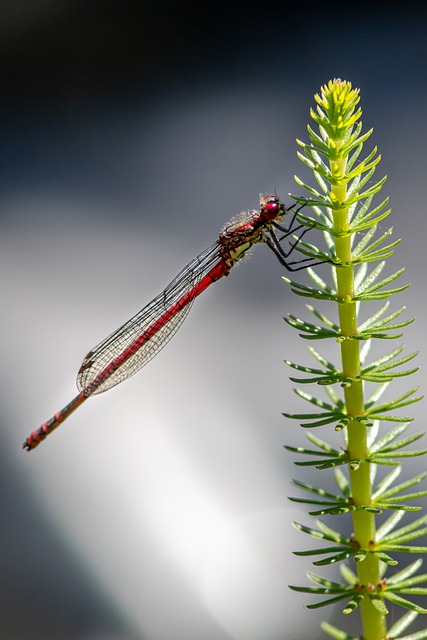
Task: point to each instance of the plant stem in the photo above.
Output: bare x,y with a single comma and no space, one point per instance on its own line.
342,206
373,621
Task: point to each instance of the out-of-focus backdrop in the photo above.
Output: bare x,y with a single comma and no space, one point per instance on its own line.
130,133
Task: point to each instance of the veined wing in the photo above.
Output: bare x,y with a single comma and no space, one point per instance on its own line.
134,344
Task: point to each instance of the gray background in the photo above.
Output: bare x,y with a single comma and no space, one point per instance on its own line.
130,133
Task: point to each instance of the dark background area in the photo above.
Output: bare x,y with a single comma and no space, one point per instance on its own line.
130,133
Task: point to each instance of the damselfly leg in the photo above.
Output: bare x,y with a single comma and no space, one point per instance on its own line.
274,243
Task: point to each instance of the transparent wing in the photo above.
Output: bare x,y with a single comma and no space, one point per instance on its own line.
134,344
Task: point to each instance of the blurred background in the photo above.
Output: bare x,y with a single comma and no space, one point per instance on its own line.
130,134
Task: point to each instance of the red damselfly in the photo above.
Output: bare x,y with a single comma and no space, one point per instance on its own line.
134,344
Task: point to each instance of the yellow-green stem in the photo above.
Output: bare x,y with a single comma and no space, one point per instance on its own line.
374,626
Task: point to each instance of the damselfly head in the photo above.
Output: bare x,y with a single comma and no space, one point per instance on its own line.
271,207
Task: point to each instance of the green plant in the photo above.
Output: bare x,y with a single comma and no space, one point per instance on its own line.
342,204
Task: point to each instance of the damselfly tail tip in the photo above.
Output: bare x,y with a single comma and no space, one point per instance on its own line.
32,441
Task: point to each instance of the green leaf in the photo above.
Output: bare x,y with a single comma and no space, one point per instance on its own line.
331,456
406,586
318,491
379,604
318,605
402,443
353,604
409,528
402,602
409,534
328,584
419,635
365,252
355,142
316,330
311,251
349,576
401,548
389,437
338,557
321,316
321,443
325,406
389,525
323,533
402,487
336,633
306,451
381,369
384,557
401,401
342,482
366,219
368,288
369,220
308,292
381,254
382,486
319,375
405,573
402,624
357,213
375,324
378,314
316,590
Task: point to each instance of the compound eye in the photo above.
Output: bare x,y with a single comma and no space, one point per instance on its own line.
271,208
